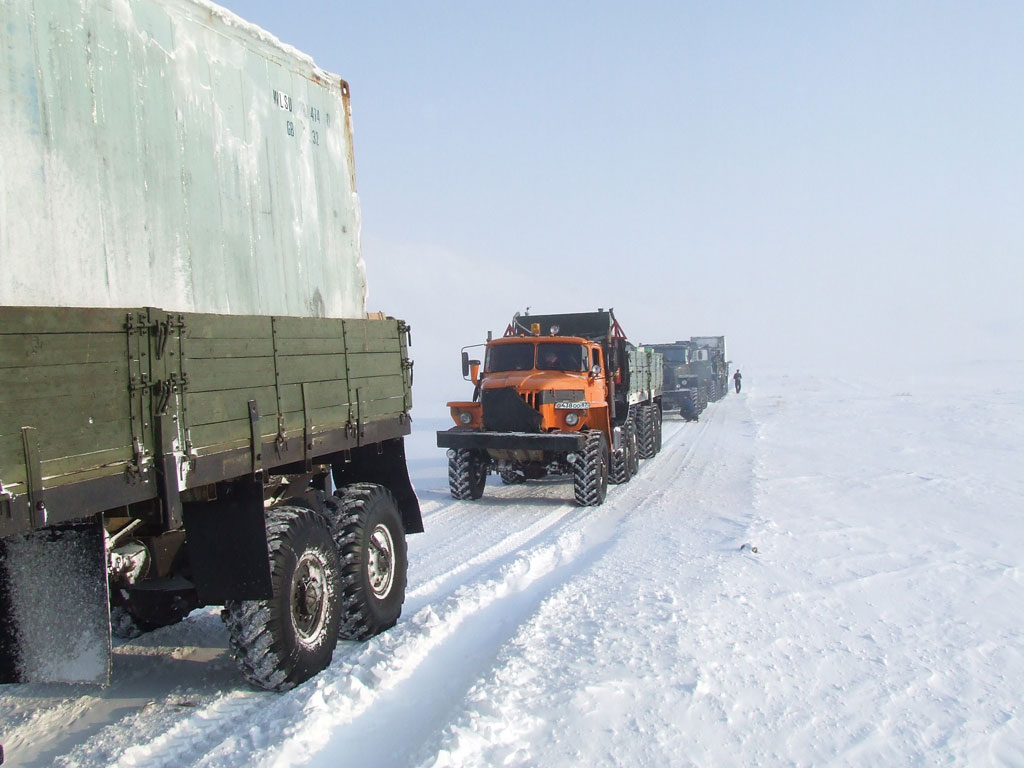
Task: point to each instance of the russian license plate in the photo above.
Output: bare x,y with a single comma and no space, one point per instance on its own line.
565,405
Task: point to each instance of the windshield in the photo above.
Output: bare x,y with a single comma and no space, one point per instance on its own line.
509,357
561,357
550,357
674,354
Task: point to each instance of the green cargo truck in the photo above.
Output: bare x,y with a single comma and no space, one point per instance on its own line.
241,446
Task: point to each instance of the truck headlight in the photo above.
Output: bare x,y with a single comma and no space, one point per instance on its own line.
572,419
465,417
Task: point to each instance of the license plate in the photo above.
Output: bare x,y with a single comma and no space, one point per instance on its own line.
565,405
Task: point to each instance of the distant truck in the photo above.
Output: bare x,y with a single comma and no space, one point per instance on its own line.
682,390
696,372
710,363
243,445
562,394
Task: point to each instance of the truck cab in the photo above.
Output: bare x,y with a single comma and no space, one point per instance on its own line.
561,380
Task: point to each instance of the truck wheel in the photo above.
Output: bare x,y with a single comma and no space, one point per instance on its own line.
512,477
657,428
645,431
370,538
467,474
284,641
618,471
590,471
634,447
624,459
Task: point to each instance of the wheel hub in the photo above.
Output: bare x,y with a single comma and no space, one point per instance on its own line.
309,597
380,562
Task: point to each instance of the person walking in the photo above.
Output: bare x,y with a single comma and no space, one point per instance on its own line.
737,378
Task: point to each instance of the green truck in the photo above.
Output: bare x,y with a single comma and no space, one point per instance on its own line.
195,407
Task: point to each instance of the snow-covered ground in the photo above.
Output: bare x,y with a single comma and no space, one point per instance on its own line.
877,623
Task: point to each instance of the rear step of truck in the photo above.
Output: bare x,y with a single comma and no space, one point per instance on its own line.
54,607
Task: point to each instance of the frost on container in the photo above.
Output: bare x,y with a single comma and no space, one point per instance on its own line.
170,154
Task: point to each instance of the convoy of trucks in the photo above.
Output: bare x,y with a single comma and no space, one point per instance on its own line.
562,394
696,372
195,407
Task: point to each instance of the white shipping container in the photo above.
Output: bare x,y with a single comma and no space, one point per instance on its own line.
166,153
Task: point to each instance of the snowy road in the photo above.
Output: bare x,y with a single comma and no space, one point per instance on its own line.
876,624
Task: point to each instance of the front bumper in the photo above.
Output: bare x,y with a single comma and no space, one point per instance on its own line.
676,397
471,439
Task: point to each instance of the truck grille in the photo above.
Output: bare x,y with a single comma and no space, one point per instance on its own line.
505,410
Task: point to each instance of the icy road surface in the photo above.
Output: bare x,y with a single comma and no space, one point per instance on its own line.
877,623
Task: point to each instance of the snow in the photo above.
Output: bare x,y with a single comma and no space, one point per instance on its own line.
876,624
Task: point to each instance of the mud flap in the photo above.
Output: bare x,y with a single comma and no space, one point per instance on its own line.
54,609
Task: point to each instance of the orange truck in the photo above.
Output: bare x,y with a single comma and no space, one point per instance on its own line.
561,394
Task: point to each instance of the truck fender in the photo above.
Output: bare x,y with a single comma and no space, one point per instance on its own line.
382,463
226,544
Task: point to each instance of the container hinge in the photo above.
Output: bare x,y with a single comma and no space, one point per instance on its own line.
163,330
140,462
139,385
404,327
407,365
280,442
165,390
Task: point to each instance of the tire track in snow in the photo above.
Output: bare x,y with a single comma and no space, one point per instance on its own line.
512,703
432,587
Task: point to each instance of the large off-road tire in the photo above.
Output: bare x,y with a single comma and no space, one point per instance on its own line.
284,641
624,462
368,532
645,428
634,462
618,469
590,470
658,418
467,474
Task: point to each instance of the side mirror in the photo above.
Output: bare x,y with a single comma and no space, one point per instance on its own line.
595,371
465,364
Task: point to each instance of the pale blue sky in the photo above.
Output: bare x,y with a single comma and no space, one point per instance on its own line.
815,180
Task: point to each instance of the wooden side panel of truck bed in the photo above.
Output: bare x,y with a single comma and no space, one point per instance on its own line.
108,394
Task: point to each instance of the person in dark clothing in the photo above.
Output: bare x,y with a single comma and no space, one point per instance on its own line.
737,378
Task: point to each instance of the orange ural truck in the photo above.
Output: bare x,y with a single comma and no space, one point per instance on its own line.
562,394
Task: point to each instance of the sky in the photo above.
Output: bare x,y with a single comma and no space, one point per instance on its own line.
830,185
